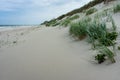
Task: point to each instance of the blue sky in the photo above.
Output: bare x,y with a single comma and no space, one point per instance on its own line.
35,11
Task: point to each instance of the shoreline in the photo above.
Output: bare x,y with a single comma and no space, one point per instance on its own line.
10,36
7,28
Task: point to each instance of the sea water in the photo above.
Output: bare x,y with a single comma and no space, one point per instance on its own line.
11,27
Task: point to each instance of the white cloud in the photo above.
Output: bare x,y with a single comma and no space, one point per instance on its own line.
10,5
51,11
36,11
43,2
15,4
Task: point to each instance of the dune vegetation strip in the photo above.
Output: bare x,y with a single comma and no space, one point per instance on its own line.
92,24
97,33
90,11
117,8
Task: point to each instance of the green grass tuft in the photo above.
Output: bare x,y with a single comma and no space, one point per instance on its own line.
100,58
65,22
90,11
108,53
68,20
79,29
117,8
74,17
51,23
98,31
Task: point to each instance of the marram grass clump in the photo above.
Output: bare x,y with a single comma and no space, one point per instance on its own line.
65,22
79,29
98,31
74,17
109,54
105,54
108,38
51,23
100,58
68,20
117,8
90,11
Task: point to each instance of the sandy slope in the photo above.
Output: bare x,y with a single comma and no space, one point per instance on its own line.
51,54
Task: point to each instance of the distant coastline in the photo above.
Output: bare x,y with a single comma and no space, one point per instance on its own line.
19,25
11,27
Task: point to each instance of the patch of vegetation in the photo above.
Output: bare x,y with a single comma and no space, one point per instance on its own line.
14,42
82,9
108,38
74,17
113,24
118,47
55,24
102,14
65,22
90,11
68,20
79,10
106,54
52,22
109,54
98,31
117,8
79,29
100,58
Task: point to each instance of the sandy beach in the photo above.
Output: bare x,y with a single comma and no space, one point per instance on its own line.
51,54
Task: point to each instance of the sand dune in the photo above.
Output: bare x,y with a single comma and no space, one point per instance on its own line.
51,54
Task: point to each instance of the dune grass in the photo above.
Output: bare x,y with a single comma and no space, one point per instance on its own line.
68,20
105,54
113,24
109,54
117,8
100,58
90,11
74,17
50,23
81,9
98,31
79,29
65,22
